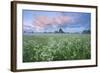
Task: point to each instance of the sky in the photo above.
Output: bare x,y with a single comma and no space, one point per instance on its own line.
50,21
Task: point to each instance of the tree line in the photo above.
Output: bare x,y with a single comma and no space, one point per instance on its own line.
61,31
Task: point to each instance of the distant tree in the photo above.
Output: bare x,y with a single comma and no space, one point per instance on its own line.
32,32
55,31
86,31
61,31
44,32
24,31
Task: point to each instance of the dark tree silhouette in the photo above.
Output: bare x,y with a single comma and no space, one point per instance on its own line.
86,31
56,32
61,31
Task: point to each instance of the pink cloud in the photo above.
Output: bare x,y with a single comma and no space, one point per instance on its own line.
60,20
43,21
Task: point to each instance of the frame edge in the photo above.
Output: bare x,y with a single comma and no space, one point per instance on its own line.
13,36
55,4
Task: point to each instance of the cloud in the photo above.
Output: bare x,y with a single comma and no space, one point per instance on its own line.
60,20
41,22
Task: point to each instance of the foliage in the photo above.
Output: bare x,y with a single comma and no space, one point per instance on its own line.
56,47
86,31
60,31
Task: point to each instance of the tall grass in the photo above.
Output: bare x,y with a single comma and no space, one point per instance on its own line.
56,47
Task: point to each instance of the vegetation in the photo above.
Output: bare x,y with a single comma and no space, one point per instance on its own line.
56,47
86,32
60,31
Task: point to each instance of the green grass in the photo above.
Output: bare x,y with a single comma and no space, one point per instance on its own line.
56,47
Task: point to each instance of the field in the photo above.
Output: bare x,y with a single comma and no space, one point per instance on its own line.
56,47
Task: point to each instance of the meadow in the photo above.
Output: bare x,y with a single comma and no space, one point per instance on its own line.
56,47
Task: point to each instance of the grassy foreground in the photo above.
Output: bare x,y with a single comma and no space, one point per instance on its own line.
56,47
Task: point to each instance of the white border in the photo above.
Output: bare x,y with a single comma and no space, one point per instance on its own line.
21,65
